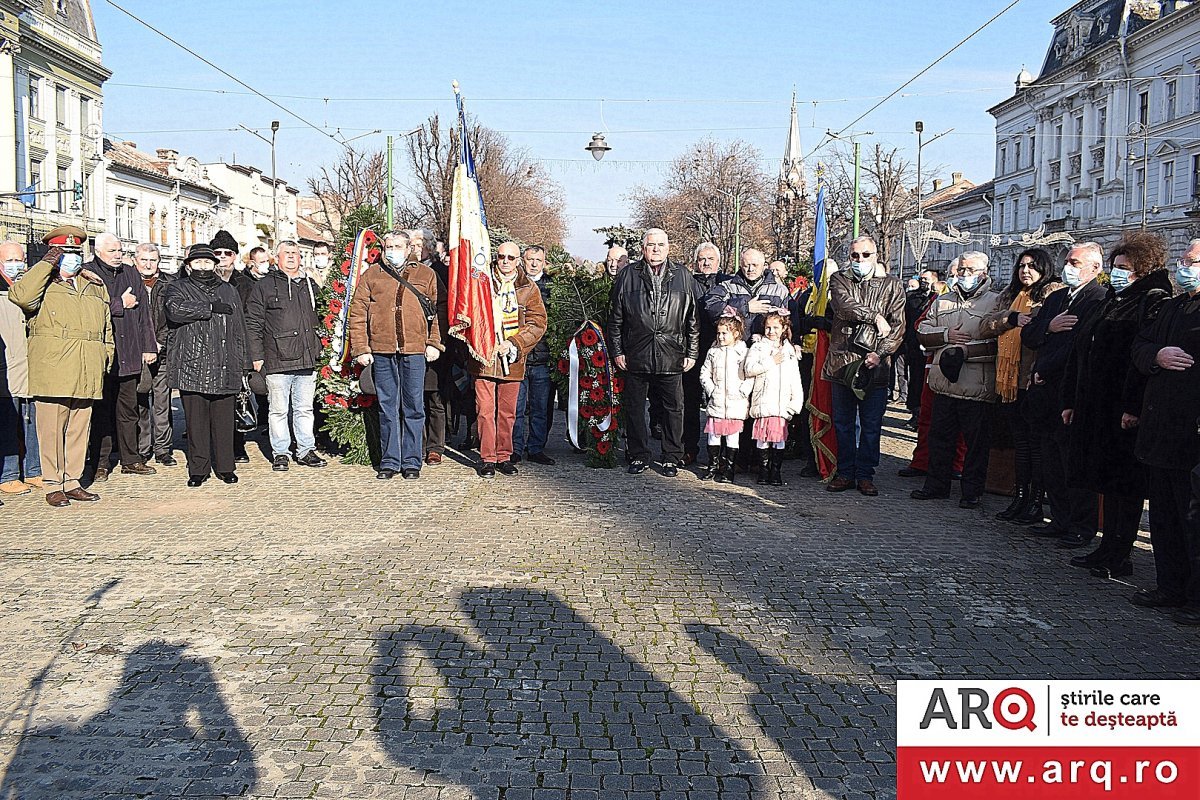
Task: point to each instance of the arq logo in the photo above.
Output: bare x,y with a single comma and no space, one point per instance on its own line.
1012,708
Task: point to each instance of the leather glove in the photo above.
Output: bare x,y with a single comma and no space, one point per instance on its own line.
53,255
221,307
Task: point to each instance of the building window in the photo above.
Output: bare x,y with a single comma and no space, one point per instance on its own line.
35,180
1074,190
129,230
60,106
1139,180
1058,137
153,225
1168,183
1172,96
1077,143
61,184
1101,124
1016,212
1017,154
1003,160
1000,216
35,96
1196,177
1096,206
1032,150
1144,108
85,112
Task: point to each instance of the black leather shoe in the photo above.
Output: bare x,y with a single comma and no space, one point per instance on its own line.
924,494
1121,570
670,469
1093,559
487,470
1047,530
1156,598
809,470
636,467
227,477
167,460
241,458
515,458
311,459
507,468
1074,540
911,472
196,480
410,474
969,502
541,458
279,464
386,474
1188,615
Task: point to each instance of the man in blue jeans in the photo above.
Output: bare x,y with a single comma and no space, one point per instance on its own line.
866,307
281,333
21,460
535,400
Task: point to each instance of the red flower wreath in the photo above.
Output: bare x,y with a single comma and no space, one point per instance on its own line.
589,338
564,366
346,268
339,287
618,384
586,381
335,306
603,447
597,394
598,360
599,434
585,412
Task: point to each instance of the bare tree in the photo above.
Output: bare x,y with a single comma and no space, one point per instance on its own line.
356,179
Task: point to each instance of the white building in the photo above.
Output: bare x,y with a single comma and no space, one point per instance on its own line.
1107,137
161,199
249,216
51,77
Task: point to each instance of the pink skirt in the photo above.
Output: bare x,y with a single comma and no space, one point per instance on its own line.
770,429
723,427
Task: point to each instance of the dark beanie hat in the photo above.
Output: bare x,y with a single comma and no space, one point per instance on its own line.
224,241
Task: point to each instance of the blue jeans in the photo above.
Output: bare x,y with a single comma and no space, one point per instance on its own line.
294,390
400,386
858,456
18,434
536,396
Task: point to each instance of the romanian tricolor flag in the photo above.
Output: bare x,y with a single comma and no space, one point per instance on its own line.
469,300
820,398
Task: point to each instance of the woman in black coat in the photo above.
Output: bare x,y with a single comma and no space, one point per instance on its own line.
206,358
1102,398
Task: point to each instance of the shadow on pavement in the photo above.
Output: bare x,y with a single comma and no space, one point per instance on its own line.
166,733
544,701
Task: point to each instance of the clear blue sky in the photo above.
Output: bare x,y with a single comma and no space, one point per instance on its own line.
535,70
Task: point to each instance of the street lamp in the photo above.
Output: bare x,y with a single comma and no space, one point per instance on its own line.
597,146
390,190
920,128
274,181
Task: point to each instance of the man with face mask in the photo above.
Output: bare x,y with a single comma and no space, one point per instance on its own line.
394,330
438,378
116,416
258,264
1051,332
916,303
962,377
867,310
321,261
155,431
70,350
20,462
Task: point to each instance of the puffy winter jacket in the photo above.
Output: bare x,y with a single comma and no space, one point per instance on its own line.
778,390
725,383
977,380
206,351
736,293
654,331
281,323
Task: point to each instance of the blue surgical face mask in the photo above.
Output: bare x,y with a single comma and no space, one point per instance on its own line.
394,257
1071,276
969,283
13,269
70,263
951,283
1187,277
862,269
1119,278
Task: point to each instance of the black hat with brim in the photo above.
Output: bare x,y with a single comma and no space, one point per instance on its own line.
199,251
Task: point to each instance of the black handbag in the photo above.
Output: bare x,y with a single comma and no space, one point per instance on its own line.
245,420
865,338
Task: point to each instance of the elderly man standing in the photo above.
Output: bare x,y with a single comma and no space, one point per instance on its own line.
116,415
394,330
281,335
226,249
706,271
1051,333
20,462
616,260
654,334
867,309
535,401
155,431
962,377
438,377
521,319
750,293
70,351
1167,443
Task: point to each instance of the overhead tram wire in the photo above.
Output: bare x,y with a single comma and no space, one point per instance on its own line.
224,72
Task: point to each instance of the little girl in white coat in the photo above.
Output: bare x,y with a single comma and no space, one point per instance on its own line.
723,378
778,393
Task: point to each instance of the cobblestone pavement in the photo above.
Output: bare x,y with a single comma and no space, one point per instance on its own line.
564,633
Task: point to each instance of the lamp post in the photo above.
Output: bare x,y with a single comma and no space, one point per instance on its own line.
274,181
853,138
390,190
1138,129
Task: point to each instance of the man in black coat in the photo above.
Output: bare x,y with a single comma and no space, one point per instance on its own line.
155,429
654,335
1168,443
281,335
916,303
116,415
706,271
1073,511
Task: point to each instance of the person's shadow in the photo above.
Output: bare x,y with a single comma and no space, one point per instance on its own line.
166,733
545,701
840,734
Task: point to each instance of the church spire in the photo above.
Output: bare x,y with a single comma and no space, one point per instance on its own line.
791,170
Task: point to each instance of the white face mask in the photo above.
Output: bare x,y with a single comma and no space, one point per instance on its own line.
168,269
70,263
321,262
13,268
394,257
263,268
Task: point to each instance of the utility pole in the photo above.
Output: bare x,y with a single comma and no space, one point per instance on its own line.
853,138
389,182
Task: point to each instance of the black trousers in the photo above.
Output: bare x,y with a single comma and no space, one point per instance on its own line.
1027,449
115,421
950,417
209,420
435,422
1122,515
693,402
914,364
1174,533
1073,510
664,392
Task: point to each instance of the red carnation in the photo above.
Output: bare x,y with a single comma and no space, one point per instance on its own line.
329,318
585,412
598,360
589,337
586,381
603,447
331,399
339,287
597,394
618,384
564,366
346,268
600,411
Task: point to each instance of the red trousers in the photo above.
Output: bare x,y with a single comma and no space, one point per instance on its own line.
496,407
920,458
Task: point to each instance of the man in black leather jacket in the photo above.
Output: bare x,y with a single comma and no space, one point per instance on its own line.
654,334
707,273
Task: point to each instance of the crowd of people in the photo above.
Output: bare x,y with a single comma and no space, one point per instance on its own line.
1087,371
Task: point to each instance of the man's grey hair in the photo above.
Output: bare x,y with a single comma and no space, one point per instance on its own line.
11,242
652,232
864,238
105,238
1091,248
393,235
146,247
286,243
976,255
414,233
700,248
535,248
1191,244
